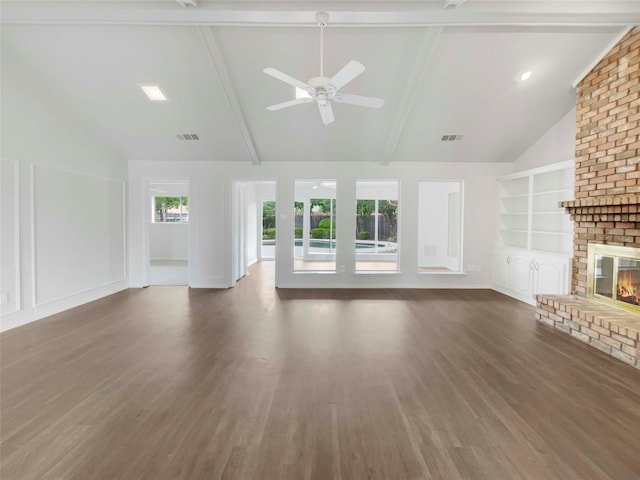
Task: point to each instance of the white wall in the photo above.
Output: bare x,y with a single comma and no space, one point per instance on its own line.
252,239
213,181
558,144
9,237
63,204
210,248
168,241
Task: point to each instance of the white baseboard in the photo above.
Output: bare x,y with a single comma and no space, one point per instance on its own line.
509,293
28,315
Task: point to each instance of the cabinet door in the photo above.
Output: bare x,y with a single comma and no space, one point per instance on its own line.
501,261
552,275
522,273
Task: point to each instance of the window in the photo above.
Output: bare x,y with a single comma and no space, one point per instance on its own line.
170,209
315,226
268,245
376,240
440,226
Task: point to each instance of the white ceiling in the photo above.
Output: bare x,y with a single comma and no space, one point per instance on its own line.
440,71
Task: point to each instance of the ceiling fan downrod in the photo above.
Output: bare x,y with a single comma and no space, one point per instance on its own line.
322,18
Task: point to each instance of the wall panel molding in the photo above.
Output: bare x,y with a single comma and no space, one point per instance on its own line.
72,215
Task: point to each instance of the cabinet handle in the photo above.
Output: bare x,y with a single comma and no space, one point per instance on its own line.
537,266
531,267
508,260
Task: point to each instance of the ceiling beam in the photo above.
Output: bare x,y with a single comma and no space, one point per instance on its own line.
187,3
452,3
218,64
345,13
410,91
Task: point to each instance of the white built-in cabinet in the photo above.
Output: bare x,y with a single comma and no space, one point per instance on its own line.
523,274
536,236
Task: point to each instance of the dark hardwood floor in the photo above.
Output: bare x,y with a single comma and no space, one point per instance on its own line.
258,383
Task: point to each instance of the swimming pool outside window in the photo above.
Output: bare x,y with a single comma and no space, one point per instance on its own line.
376,236
315,226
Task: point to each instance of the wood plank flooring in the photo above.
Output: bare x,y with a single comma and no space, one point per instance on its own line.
258,383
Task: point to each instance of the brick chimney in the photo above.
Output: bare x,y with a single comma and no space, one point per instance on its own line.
606,206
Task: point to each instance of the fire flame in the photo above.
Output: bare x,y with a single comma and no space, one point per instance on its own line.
627,289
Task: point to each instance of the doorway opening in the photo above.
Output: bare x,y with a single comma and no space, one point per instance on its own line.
168,232
254,224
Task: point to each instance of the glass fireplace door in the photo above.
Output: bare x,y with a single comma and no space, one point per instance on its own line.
604,273
613,275
628,281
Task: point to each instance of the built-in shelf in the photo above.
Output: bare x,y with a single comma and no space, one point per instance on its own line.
535,233
529,207
563,190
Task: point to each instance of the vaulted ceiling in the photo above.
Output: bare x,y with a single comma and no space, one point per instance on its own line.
442,67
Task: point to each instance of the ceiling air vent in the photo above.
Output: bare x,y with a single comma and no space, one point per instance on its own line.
188,136
456,137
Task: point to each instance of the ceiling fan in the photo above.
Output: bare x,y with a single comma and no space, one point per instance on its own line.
325,90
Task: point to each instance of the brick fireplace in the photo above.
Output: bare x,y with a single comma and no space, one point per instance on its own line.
606,205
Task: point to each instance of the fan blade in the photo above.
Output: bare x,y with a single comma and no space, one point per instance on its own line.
285,78
290,103
326,113
350,71
359,100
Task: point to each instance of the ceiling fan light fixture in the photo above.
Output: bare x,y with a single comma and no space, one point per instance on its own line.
301,93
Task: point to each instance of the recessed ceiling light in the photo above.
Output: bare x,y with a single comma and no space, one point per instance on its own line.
153,92
526,76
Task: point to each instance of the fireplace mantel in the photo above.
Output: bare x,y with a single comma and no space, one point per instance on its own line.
606,219
604,205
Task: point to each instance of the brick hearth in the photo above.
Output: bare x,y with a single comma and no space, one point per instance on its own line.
606,328
606,204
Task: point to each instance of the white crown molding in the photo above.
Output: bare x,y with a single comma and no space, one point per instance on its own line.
345,13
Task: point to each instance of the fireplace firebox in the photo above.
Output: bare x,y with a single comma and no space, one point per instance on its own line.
613,275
